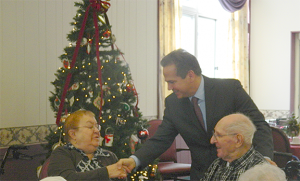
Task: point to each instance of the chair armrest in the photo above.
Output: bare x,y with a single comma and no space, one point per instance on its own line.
182,149
283,154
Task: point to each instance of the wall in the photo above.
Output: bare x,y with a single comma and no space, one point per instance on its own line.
135,25
272,22
33,36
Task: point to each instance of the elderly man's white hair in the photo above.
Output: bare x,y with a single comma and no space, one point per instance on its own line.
263,172
242,124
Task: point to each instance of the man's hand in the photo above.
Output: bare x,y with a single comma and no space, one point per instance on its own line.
114,171
127,163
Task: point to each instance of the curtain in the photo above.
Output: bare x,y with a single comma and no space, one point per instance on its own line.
169,39
238,37
232,5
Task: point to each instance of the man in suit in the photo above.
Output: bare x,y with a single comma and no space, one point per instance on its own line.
216,99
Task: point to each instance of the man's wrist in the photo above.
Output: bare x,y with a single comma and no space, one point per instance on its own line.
136,160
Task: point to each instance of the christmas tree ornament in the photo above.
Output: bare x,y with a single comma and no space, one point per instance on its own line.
91,93
56,102
63,118
71,101
101,140
75,86
133,141
129,87
143,134
125,106
97,102
125,79
120,90
84,41
106,34
120,121
153,171
100,137
88,100
113,39
66,63
101,19
109,137
104,6
106,90
88,47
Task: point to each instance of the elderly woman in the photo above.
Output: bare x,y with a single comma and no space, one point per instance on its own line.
82,158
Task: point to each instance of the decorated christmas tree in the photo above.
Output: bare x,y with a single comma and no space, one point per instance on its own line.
96,77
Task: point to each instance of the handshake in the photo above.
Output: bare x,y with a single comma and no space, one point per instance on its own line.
121,168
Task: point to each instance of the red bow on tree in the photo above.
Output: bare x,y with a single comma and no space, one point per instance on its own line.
100,5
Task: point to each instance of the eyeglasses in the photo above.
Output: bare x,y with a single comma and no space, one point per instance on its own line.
216,136
94,127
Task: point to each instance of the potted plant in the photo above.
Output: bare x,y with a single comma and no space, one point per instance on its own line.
293,126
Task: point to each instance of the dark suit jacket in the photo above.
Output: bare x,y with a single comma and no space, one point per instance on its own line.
222,97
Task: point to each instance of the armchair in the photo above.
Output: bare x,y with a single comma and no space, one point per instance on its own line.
167,165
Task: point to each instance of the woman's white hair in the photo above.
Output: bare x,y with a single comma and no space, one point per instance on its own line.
53,178
263,172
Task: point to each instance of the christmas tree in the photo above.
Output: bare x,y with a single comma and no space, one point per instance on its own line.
95,77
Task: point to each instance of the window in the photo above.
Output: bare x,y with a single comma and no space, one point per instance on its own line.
204,33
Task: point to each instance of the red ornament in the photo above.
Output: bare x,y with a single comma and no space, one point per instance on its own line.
106,34
143,134
66,63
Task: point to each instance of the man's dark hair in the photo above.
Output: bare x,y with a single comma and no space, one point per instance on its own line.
184,62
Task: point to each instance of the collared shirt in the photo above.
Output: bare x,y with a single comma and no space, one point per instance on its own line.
86,164
200,94
220,170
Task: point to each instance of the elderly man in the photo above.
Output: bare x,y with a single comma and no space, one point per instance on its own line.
233,138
